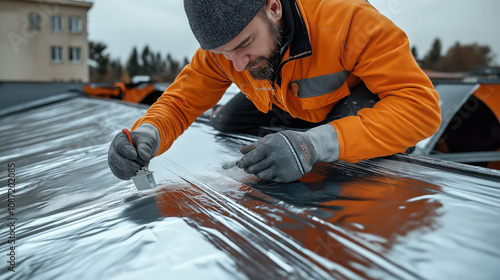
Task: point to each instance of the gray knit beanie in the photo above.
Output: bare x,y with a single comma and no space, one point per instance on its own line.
216,22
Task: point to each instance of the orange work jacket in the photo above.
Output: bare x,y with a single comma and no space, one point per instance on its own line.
336,44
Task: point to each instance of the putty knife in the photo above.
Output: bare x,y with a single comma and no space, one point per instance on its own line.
143,179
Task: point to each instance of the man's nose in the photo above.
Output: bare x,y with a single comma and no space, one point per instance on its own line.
240,62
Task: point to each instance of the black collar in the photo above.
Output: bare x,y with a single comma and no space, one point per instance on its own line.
288,24
297,36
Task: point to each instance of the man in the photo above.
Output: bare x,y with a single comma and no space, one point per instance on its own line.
302,57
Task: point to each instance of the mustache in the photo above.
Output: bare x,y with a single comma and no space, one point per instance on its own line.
254,63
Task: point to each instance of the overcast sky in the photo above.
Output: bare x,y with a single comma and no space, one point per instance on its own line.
122,24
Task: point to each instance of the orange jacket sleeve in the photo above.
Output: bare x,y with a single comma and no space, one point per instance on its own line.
196,89
378,52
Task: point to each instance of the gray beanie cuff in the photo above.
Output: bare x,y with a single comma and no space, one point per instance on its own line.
216,22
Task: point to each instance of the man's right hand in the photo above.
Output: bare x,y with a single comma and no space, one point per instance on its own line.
124,160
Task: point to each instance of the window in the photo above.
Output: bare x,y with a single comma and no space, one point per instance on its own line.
56,22
35,21
75,55
75,25
56,54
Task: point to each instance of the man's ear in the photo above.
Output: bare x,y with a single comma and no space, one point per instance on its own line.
274,9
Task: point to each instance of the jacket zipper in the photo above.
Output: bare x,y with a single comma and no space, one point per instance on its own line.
275,78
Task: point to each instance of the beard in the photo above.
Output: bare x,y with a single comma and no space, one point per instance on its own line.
268,72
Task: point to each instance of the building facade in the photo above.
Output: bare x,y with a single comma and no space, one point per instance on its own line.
44,41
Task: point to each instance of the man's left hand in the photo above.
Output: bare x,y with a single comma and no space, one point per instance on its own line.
287,155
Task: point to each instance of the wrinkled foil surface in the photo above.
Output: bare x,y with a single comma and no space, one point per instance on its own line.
398,217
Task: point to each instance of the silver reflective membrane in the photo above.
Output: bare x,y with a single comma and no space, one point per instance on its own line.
399,217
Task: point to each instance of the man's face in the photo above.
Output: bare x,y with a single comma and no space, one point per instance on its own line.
256,49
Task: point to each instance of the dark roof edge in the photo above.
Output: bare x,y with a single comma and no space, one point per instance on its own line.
38,103
454,167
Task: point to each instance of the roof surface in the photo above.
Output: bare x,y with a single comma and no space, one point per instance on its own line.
401,217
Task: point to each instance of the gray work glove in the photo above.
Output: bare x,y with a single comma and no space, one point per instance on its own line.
287,155
124,160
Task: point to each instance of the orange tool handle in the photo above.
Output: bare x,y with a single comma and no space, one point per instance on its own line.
128,136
